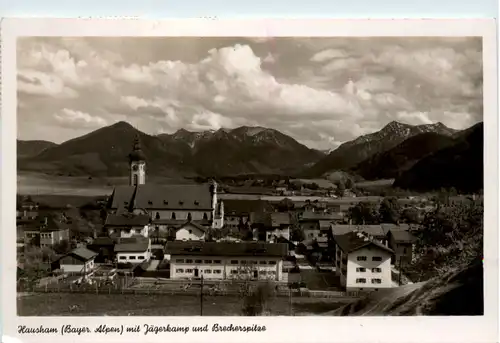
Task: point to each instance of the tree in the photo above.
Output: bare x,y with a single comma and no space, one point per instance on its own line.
411,216
349,184
363,213
390,210
257,301
62,247
297,234
339,191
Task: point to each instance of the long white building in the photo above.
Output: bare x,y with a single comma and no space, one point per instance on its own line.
362,262
226,260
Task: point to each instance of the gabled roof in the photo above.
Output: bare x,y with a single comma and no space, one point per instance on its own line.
402,236
352,241
163,197
82,254
245,207
388,227
127,219
226,248
325,224
133,244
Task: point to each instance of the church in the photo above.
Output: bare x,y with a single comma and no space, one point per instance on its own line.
168,206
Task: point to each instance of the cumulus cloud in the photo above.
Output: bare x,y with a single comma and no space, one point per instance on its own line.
320,91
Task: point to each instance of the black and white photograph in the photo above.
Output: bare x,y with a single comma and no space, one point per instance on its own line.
245,176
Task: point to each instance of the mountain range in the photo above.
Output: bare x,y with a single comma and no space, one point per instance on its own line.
410,154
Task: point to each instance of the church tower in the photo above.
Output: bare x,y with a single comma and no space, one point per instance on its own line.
137,164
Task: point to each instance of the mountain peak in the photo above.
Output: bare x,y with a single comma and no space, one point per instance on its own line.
395,125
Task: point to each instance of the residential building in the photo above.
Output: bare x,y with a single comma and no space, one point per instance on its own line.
378,232
239,212
226,260
403,244
190,231
362,262
133,250
178,202
317,224
46,231
104,247
79,260
127,224
280,226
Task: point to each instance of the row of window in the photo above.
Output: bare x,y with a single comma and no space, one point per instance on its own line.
206,271
374,270
363,280
218,271
181,260
189,216
374,258
132,257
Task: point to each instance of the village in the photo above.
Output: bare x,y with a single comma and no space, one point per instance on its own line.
197,239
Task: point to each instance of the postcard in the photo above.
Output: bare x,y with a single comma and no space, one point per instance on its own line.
249,180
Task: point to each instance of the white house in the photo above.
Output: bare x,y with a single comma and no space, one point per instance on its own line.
362,262
190,231
133,250
127,225
226,260
79,260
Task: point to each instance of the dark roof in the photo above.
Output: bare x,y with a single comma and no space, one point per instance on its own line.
133,244
163,197
342,229
38,224
280,218
179,222
389,227
82,253
245,207
127,219
226,248
309,215
402,236
350,242
102,241
325,224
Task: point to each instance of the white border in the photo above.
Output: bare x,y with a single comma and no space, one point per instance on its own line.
279,329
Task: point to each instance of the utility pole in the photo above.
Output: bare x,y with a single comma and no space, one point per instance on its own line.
201,296
400,272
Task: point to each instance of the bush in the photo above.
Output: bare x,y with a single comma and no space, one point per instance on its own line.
256,303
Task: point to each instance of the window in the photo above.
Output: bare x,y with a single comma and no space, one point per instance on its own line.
179,260
197,261
234,261
189,270
208,271
234,271
189,261
376,258
189,216
376,270
361,270
361,280
179,270
208,261
262,262
217,271
404,251
271,272
243,262
217,261
190,231
157,215
376,280
123,258
140,257
135,179
173,215
361,258
272,262
132,257
205,216
262,272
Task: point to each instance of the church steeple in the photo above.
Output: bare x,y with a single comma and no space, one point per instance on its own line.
137,160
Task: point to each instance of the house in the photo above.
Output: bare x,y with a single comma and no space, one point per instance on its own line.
26,209
238,212
362,262
403,244
178,202
280,226
317,224
45,232
190,231
376,231
127,224
79,260
104,247
226,260
133,250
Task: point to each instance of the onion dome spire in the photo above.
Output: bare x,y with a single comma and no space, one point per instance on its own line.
137,154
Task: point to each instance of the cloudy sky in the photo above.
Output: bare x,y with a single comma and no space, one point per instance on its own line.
321,91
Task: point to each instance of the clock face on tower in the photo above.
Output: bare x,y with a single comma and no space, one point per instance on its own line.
135,167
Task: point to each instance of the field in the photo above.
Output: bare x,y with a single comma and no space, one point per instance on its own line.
57,304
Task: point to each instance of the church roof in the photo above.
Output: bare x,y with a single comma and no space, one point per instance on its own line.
137,154
163,197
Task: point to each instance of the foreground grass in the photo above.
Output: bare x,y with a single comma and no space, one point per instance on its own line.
57,304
